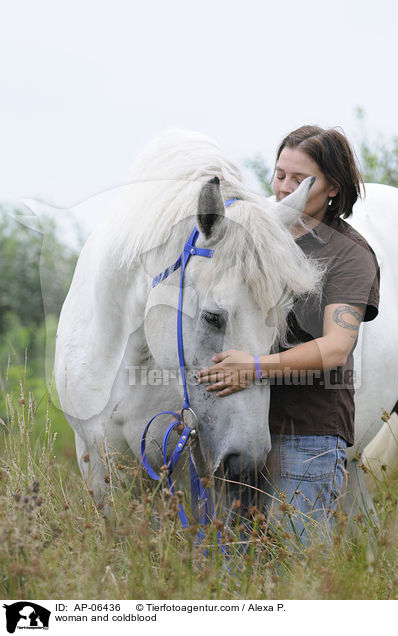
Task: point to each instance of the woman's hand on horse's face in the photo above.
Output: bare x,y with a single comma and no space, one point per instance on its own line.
234,371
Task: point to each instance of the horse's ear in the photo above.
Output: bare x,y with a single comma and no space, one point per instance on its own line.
210,207
292,206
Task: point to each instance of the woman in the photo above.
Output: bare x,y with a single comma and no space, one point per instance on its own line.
312,393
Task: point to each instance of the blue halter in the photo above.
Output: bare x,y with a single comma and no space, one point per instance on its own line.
199,495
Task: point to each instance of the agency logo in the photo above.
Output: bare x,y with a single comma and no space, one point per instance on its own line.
26,615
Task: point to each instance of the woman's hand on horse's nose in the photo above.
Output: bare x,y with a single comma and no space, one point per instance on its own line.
234,371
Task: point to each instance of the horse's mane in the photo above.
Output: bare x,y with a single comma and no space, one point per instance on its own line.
158,206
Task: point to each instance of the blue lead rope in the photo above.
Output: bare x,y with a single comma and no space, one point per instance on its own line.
189,250
173,459
197,492
200,496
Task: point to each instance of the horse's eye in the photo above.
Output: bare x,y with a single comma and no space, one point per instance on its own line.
215,320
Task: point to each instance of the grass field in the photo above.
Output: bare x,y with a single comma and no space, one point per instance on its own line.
55,544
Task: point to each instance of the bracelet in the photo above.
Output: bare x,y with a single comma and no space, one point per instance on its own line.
258,368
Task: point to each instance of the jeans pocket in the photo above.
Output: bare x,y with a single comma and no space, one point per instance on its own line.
308,458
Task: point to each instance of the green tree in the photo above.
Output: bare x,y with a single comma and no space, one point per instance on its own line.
378,157
262,171
31,269
24,265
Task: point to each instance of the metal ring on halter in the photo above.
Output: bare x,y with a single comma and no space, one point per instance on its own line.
196,421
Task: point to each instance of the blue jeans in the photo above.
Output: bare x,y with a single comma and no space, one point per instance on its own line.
304,477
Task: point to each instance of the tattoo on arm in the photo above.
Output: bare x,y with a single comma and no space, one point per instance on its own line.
338,317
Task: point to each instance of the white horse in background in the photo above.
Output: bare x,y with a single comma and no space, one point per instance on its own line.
375,357
116,331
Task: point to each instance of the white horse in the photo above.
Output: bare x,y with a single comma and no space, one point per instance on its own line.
116,352
375,357
376,218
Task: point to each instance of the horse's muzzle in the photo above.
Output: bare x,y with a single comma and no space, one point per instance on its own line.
232,467
237,467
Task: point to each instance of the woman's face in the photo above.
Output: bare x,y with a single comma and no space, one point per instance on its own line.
292,167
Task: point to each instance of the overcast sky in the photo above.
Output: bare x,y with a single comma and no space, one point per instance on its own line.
85,84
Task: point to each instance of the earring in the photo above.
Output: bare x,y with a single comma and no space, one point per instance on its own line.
330,201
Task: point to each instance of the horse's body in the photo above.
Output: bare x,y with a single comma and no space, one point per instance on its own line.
116,355
376,218
116,359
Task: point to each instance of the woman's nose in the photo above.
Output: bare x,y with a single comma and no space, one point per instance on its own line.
287,186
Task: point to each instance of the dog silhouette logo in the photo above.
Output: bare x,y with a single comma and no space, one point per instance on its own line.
26,615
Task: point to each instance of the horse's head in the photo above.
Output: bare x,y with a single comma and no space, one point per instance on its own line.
238,299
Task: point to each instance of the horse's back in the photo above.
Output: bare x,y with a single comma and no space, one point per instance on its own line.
375,216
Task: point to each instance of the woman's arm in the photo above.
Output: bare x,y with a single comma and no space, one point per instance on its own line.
235,370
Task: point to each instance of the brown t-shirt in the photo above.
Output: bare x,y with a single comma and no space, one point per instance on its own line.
323,403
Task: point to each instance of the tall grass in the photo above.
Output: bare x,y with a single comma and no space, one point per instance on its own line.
55,543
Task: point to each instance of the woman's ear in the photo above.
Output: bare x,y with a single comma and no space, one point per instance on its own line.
334,189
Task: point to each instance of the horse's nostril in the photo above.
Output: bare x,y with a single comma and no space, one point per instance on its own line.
233,466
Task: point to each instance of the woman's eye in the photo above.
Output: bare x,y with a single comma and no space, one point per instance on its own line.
213,319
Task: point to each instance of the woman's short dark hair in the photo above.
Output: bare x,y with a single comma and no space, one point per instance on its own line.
334,156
